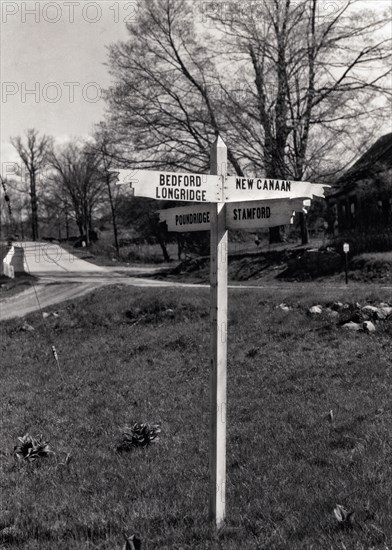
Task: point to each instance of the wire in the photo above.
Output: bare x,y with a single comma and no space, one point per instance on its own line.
46,328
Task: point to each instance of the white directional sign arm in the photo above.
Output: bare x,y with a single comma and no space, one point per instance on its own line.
242,215
238,189
187,218
172,186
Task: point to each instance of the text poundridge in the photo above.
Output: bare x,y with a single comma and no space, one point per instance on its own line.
249,215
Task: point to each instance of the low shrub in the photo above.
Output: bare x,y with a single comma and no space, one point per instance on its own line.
371,241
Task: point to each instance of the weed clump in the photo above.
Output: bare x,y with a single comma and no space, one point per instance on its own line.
140,435
31,448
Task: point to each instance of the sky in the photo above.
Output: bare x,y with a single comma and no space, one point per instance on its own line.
62,62
53,69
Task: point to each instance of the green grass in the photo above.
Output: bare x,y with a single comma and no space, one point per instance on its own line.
125,358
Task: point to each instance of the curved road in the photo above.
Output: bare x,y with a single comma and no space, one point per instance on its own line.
63,276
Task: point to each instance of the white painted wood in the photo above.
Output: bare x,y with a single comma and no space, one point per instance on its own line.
218,281
238,189
259,214
196,217
244,215
172,186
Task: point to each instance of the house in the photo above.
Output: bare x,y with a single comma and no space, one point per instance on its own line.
361,199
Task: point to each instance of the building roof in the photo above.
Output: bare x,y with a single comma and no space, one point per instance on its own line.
377,159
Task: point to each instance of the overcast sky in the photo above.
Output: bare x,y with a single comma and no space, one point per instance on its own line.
52,63
70,53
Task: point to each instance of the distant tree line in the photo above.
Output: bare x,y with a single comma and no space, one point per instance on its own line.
285,87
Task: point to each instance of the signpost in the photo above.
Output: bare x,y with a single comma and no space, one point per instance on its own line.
228,203
218,361
346,249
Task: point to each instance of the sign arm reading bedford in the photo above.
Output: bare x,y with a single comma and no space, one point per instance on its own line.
172,186
207,188
226,202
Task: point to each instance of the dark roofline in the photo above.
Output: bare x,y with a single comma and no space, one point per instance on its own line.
365,166
372,155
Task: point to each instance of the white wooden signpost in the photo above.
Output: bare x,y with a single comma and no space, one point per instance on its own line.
229,202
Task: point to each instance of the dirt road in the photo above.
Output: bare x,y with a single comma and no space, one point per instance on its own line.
63,276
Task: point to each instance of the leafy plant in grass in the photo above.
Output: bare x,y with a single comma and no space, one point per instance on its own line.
140,435
132,543
344,517
31,448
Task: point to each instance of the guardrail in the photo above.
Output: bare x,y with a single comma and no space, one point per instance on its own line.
6,268
13,262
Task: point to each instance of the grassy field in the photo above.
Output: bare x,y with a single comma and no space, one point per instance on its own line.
129,355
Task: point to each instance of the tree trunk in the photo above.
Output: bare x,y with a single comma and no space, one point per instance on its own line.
304,228
276,234
80,227
114,221
160,239
162,244
179,246
34,208
87,234
66,224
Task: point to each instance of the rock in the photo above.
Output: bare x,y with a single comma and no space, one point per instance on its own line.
331,312
370,309
26,327
352,326
168,313
55,314
383,304
368,326
45,314
381,315
337,305
315,310
284,307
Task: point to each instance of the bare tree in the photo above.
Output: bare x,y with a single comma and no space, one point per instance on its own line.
34,155
282,85
305,83
78,181
162,106
104,149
